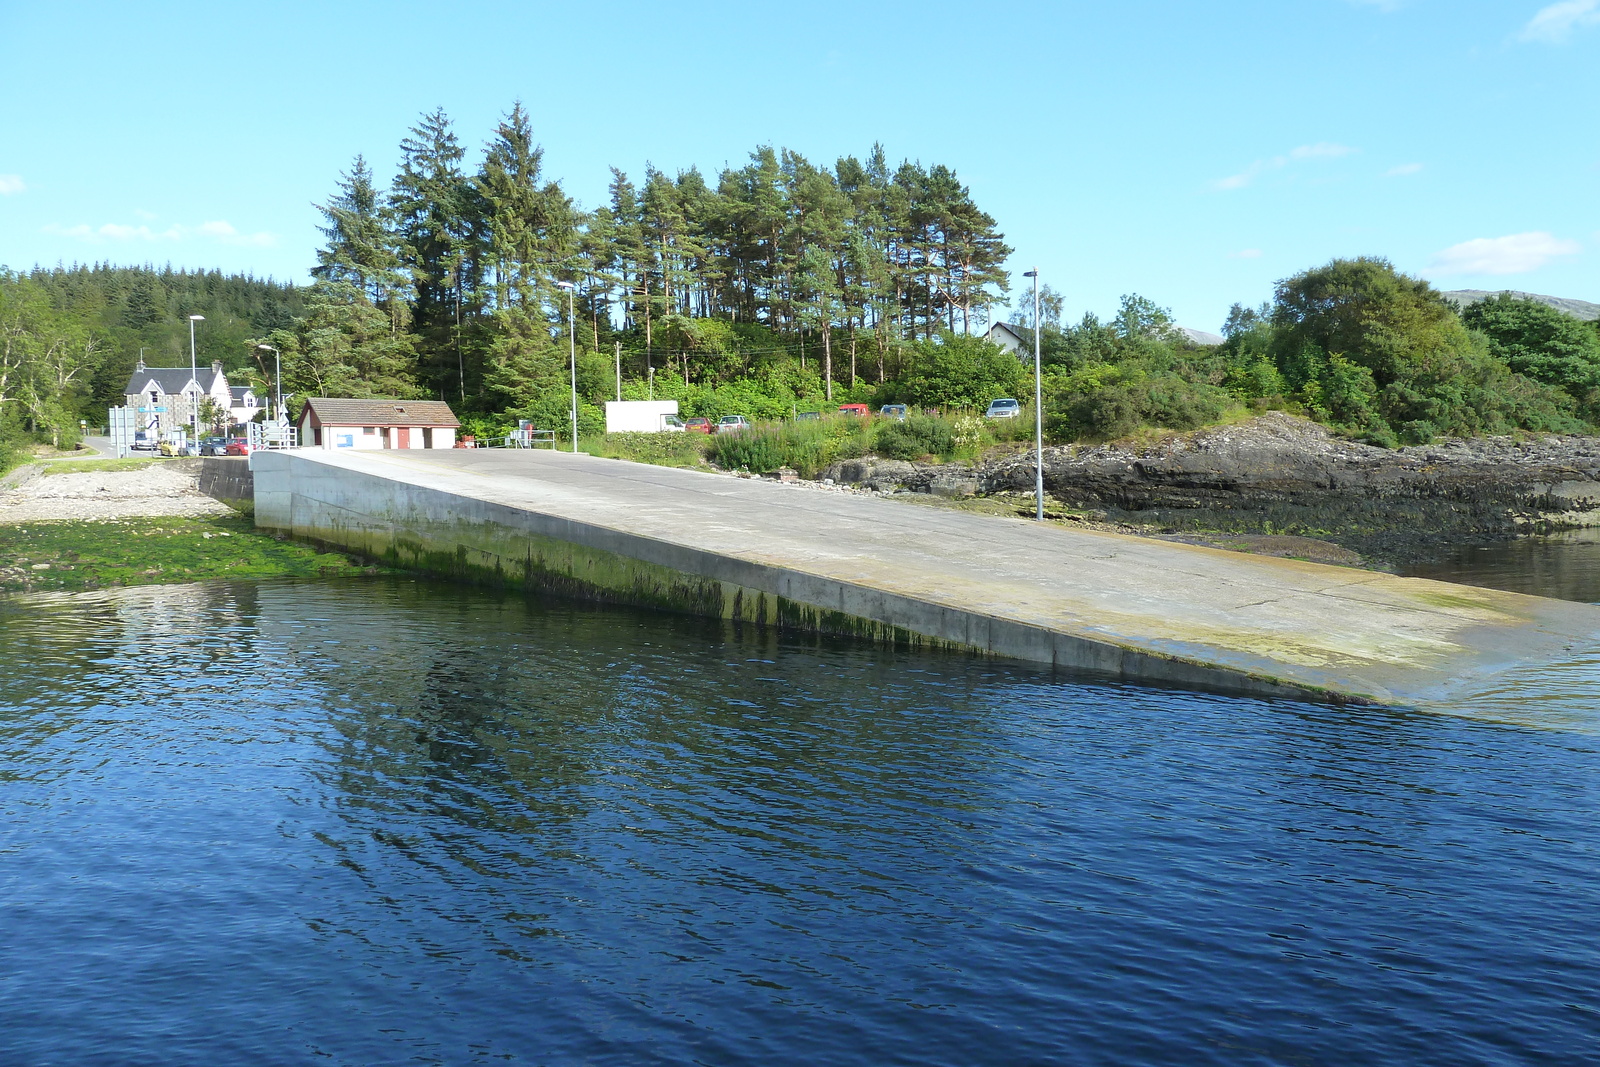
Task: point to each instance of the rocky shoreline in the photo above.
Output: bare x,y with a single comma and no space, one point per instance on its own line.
1278,476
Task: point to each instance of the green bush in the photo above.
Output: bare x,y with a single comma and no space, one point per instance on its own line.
1119,406
916,436
662,449
807,446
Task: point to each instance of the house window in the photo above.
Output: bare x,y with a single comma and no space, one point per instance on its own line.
369,430
155,397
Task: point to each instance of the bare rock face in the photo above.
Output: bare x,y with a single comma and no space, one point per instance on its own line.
1282,475
955,484
871,472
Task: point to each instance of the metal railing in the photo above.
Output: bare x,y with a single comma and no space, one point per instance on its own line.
272,435
530,438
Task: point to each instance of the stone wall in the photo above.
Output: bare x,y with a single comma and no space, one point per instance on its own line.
228,479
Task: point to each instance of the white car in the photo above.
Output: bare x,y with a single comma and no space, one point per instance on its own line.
1003,409
732,424
671,424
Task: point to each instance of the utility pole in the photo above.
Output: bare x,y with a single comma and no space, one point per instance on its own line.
619,372
194,380
1038,407
572,354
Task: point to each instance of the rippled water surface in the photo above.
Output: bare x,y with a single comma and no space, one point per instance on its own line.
392,822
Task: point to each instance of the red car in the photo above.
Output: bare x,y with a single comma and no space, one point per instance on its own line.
698,426
239,446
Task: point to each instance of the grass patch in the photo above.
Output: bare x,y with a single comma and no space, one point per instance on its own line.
662,449
82,466
150,551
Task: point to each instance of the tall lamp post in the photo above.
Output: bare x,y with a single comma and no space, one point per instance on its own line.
277,377
1038,407
194,379
572,356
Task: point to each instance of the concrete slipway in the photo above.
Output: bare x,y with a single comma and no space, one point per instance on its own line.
766,553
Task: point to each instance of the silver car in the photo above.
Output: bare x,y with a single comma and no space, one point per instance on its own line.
1003,409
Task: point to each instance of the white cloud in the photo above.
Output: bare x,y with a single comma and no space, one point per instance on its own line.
219,231
1554,24
1245,253
1321,150
1403,170
11,184
1517,253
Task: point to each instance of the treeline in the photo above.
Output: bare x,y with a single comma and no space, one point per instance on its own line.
448,278
1354,344
70,337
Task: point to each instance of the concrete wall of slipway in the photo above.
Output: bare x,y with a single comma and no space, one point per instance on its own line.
227,479
458,536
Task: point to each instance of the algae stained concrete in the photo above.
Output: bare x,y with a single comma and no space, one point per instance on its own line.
794,556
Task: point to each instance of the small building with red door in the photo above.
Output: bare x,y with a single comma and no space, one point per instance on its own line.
335,422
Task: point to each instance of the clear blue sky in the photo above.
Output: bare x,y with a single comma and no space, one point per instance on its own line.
1194,153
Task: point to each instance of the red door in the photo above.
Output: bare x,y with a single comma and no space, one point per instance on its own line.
402,437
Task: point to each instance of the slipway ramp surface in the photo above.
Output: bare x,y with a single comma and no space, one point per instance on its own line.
1135,608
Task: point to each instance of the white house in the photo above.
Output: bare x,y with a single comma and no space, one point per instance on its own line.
334,422
164,398
242,403
1014,339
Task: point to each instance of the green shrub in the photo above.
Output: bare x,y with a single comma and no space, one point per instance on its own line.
807,446
662,449
1116,408
916,436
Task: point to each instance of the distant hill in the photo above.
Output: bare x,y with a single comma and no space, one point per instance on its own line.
1578,309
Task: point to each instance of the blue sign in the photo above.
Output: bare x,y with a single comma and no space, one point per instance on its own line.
145,411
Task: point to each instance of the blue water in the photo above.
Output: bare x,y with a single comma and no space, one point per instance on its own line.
390,822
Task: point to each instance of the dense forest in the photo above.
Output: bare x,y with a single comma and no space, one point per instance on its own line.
779,285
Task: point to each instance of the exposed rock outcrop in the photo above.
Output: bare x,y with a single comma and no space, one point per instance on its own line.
1278,474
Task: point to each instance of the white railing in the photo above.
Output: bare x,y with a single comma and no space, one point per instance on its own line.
528,437
272,435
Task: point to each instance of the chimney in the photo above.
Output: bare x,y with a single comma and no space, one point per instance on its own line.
140,367
216,366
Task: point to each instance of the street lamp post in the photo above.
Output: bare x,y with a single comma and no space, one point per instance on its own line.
277,377
194,380
572,356
1038,407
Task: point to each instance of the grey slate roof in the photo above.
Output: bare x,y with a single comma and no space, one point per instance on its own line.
338,411
170,379
236,392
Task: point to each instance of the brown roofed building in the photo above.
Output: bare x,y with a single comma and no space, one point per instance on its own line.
334,422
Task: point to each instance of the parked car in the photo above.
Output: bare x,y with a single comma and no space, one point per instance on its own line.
1003,409
799,415
672,423
893,411
732,424
698,425
214,446
143,442
238,446
169,448
855,409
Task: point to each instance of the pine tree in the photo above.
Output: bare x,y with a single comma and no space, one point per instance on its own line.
438,221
